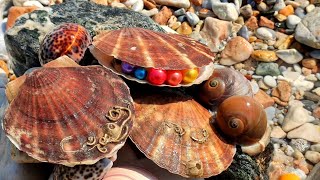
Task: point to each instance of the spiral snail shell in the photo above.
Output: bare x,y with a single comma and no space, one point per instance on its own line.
223,83
242,119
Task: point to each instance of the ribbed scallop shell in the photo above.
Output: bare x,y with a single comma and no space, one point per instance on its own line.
66,39
230,83
150,49
70,115
174,131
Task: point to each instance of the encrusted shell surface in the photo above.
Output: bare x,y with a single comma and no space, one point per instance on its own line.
70,115
174,131
223,83
150,49
66,39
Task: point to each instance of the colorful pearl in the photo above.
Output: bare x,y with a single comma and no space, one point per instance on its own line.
127,68
174,77
156,76
140,73
189,75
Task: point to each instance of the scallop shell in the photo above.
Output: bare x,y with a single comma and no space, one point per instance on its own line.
66,39
70,115
229,83
150,49
174,131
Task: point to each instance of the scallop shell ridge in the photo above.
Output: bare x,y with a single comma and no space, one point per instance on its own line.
64,115
152,49
174,131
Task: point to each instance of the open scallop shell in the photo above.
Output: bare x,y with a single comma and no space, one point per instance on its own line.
150,49
174,131
70,115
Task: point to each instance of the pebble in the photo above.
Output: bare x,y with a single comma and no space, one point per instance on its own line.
4,67
265,33
315,147
286,11
150,12
244,32
277,132
303,84
262,7
315,173
206,4
292,21
214,31
138,6
315,54
252,23
306,31
32,3
268,69
3,78
254,86
192,18
310,8
282,91
300,144
225,11
237,50
317,91
308,131
300,12
280,18
182,18
260,46
280,4
264,55
289,150
184,29
270,81
163,16
309,63
309,105
295,117
316,112
264,99
246,11
179,12
290,56
297,68
311,96
174,3
313,156
265,22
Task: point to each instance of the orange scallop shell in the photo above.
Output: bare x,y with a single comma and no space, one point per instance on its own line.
150,49
70,115
174,131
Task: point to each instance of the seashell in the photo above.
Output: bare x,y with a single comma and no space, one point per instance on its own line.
223,83
152,50
13,87
60,116
242,119
173,130
87,172
128,173
66,39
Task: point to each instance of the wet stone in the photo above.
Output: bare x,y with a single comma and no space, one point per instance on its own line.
268,69
244,32
315,54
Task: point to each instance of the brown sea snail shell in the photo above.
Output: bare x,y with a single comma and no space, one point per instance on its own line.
242,119
223,83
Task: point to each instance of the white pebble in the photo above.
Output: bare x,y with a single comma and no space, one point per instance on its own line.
297,68
317,91
290,56
289,150
254,86
265,33
292,21
150,12
44,2
138,6
270,81
32,3
310,8
130,2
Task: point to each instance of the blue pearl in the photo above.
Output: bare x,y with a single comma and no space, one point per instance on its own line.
127,68
140,73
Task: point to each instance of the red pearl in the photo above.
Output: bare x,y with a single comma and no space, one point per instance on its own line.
156,76
174,77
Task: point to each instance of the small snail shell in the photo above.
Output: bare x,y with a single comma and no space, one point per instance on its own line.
223,83
242,119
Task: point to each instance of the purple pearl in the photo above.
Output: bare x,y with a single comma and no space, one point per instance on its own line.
127,68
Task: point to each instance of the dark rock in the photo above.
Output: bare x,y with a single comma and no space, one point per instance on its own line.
308,104
317,84
23,39
243,167
311,96
315,173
